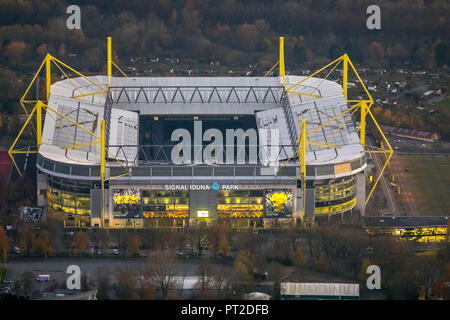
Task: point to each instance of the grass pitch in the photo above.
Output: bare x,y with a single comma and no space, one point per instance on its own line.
429,179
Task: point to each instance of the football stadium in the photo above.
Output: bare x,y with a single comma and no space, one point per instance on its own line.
174,152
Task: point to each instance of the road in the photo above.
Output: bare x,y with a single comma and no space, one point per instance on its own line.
385,185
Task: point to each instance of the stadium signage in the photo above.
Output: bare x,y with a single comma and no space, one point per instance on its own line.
215,186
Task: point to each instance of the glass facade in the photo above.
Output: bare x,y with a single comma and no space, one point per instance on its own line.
335,196
240,204
165,204
69,197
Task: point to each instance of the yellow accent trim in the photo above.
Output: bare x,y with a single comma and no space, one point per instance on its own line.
337,208
389,150
267,73
114,64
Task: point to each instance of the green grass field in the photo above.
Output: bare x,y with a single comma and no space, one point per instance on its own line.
429,177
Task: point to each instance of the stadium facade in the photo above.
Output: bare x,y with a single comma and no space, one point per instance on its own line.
172,152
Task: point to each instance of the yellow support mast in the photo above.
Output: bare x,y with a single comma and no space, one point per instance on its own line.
48,74
345,74
302,158
362,130
281,67
39,123
109,60
102,168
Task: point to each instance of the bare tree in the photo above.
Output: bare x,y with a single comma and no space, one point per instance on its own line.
197,239
217,236
27,281
206,281
161,270
103,283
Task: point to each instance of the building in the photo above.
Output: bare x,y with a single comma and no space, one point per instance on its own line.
411,133
319,291
423,229
180,151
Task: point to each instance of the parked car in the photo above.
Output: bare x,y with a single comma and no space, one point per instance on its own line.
115,252
15,250
6,282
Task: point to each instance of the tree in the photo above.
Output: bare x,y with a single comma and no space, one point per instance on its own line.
375,51
243,268
44,243
4,244
16,52
134,245
146,288
122,240
221,281
27,281
196,238
161,270
205,282
363,273
68,243
323,263
80,243
27,240
299,258
218,238
103,283
126,284
334,51
442,53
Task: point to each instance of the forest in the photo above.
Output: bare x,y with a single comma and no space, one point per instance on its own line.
231,33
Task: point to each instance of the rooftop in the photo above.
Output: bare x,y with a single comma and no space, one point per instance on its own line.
128,98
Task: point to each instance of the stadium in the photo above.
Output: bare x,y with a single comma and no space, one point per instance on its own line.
174,152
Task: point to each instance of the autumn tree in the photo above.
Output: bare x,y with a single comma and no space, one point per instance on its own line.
80,242
146,288
323,263
243,268
16,51
27,240
127,284
375,51
44,243
4,243
299,258
134,245
218,239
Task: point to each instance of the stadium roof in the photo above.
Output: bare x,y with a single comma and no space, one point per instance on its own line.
130,97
